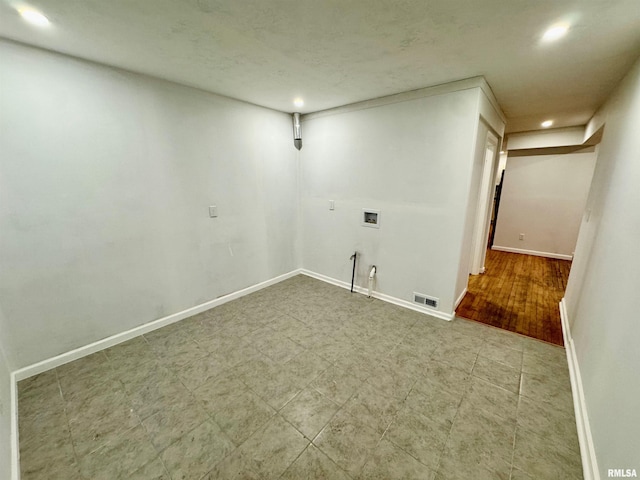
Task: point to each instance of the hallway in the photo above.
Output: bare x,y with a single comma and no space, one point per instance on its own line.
519,293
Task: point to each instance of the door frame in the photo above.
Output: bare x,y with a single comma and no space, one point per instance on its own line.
483,208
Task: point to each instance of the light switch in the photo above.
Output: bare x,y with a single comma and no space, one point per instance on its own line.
213,211
332,205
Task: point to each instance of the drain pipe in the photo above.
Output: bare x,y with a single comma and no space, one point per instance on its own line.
372,274
353,272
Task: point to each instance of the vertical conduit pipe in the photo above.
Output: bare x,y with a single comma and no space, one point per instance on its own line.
353,272
297,131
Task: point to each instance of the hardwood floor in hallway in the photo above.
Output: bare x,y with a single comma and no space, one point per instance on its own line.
519,293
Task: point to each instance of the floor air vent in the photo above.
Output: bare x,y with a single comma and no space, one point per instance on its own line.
425,300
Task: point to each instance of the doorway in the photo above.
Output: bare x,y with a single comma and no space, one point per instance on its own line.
484,204
527,267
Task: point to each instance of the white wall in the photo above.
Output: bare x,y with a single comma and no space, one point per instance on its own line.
105,182
468,244
491,119
5,401
412,160
544,197
602,296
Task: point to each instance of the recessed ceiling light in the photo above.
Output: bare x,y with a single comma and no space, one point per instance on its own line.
34,17
555,32
501,152
298,102
546,123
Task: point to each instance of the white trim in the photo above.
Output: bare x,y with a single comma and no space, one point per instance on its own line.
456,86
15,441
486,191
486,88
80,352
559,256
380,296
464,292
587,450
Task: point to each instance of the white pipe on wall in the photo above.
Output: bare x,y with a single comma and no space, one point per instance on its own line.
372,274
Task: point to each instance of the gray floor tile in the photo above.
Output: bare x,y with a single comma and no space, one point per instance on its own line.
130,354
492,398
347,442
241,414
372,408
547,388
196,373
171,423
266,455
278,347
275,387
358,363
539,458
390,380
197,452
37,382
419,436
309,412
446,377
44,460
49,428
100,419
388,462
119,459
305,368
501,353
156,396
94,364
461,469
546,351
219,391
497,373
543,418
154,470
431,401
535,364
336,384
505,339
314,464
456,356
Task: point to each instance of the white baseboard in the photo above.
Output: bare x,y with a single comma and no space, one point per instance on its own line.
587,450
559,256
464,292
381,296
80,352
15,440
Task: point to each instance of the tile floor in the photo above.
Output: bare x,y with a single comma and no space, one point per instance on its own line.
304,380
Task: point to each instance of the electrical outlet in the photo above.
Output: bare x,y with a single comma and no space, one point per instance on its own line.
522,236
213,211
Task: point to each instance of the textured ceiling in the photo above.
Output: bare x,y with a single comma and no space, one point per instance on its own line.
336,52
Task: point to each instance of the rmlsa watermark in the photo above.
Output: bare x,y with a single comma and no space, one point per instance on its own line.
622,473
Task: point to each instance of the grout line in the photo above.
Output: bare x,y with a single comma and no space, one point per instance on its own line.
298,456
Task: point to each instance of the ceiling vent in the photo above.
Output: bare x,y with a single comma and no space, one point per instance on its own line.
425,300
